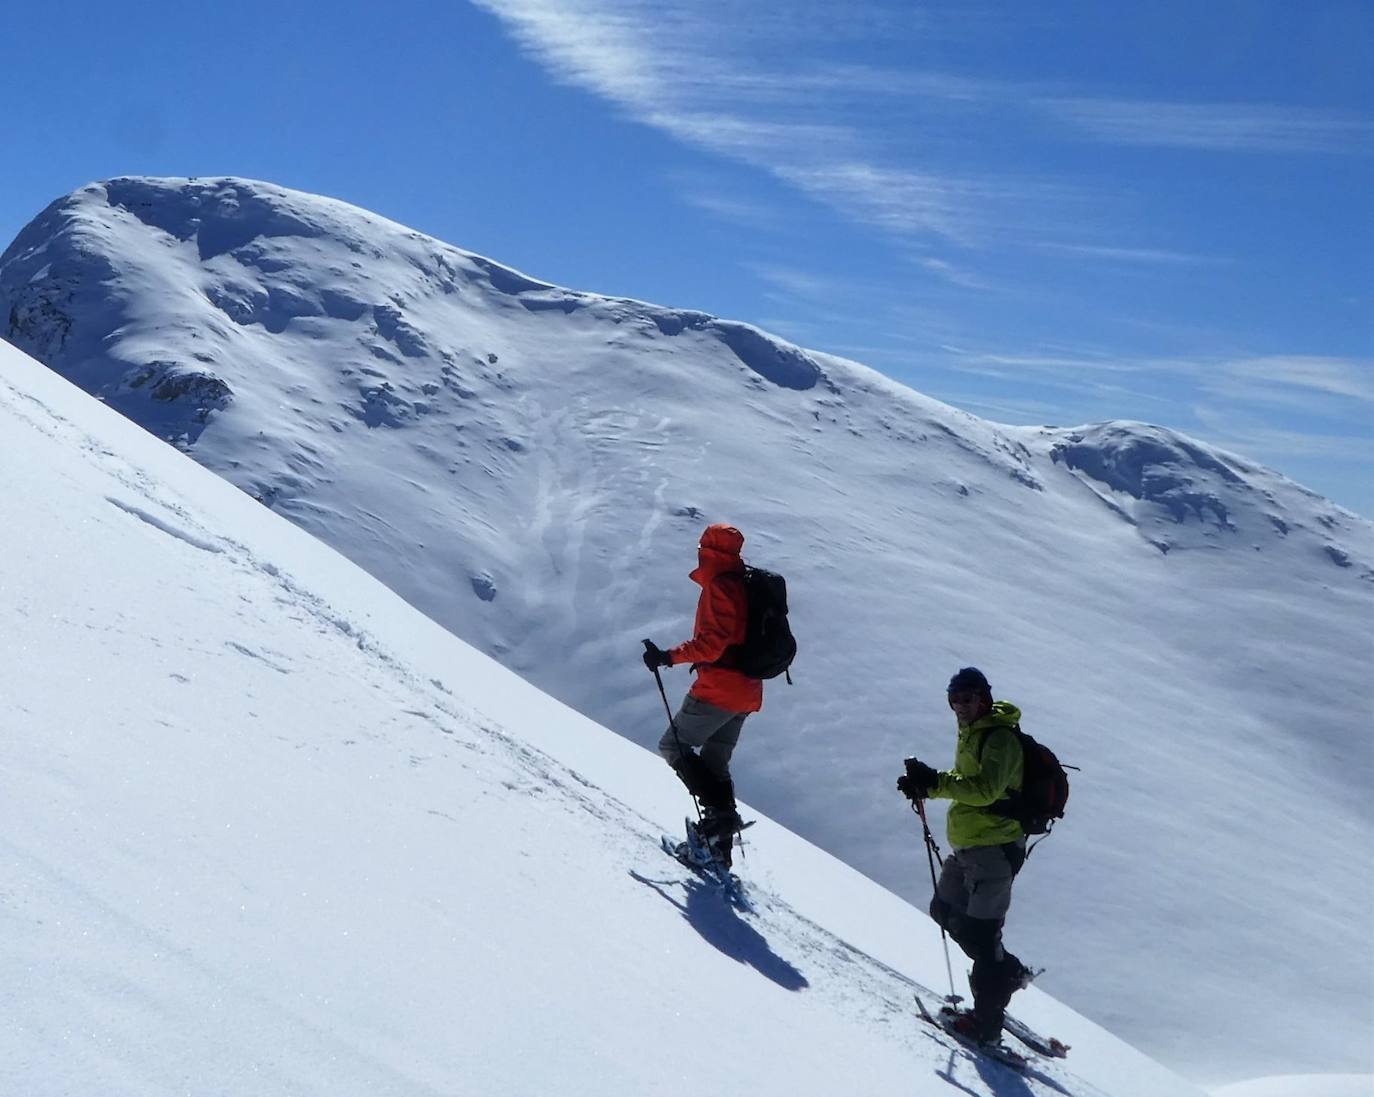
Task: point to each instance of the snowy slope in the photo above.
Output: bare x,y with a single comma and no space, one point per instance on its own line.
531,467
268,830
1313,1085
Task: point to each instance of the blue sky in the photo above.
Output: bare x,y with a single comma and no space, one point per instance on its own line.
1044,213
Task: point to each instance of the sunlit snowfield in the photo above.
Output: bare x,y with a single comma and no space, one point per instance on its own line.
531,467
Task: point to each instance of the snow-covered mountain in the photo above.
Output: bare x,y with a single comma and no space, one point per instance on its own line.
531,466
268,830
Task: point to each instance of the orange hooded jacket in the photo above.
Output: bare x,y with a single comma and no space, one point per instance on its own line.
722,617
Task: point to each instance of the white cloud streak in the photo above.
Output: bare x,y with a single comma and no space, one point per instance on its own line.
797,283
1334,390
727,207
1220,127
1345,379
1148,256
771,87
713,76
1275,442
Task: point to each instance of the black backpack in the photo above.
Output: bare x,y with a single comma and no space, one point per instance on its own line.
769,647
1044,788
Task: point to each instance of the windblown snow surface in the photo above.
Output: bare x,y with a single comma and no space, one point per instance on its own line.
269,830
531,467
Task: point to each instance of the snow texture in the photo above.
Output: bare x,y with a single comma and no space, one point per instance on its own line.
268,830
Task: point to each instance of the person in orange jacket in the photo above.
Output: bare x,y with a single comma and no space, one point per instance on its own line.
702,737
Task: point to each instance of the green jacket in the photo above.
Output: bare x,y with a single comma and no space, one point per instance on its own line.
987,763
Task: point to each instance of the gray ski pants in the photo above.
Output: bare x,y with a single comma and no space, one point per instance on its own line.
714,730
973,896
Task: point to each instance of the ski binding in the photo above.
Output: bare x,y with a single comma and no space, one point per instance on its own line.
998,1052
695,856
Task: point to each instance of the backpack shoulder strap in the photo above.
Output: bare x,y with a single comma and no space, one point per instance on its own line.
1015,729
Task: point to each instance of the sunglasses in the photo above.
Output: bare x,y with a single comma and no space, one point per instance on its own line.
964,698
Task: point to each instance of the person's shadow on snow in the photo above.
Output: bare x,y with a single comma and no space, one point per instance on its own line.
708,912
997,1079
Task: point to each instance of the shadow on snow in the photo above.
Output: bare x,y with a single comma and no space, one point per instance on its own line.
708,912
995,1078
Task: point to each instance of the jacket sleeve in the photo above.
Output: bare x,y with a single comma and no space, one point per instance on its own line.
720,623
1001,765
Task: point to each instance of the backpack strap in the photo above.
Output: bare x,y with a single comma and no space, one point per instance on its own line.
1015,729
1007,806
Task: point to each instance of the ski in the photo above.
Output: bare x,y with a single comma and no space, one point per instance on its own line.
998,1052
1045,1045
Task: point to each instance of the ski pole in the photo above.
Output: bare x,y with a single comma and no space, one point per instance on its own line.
933,852
649,646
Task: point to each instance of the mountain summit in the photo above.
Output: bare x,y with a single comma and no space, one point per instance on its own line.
531,466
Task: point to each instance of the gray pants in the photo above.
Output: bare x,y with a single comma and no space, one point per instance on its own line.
714,730
976,881
971,902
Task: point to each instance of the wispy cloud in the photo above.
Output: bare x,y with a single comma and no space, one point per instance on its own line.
1225,429
901,201
1350,379
805,285
728,207
1325,393
1146,256
1342,378
685,68
1069,363
758,87
1333,397
780,89
1228,127
953,274
605,48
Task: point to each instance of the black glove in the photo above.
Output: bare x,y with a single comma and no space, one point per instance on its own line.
654,658
919,779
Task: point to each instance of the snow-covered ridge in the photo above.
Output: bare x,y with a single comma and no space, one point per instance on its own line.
234,227
268,830
531,466
1181,493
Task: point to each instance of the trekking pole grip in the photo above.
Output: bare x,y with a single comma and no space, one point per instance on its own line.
649,646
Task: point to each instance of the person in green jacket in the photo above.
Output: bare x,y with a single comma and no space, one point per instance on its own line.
974,890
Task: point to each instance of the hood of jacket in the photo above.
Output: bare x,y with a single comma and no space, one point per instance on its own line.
718,552
1003,715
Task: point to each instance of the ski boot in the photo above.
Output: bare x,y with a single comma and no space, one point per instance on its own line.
717,831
